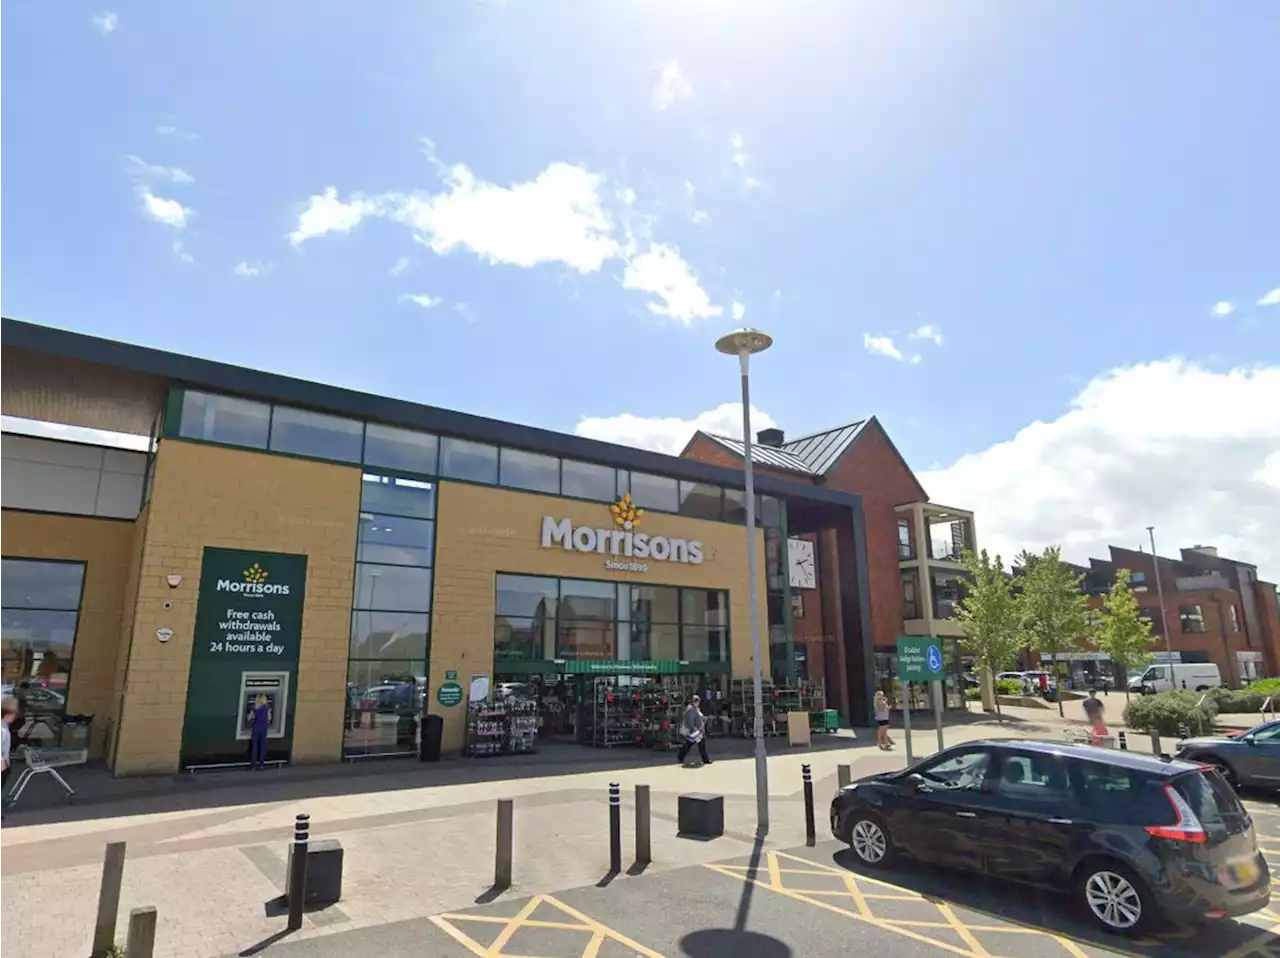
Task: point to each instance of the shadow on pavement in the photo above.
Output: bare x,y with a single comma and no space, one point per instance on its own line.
1055,914
100,795
738,940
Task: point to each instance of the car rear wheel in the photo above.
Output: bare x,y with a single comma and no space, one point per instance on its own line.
870,840
1115,898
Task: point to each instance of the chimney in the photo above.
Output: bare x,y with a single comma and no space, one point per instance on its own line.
771,437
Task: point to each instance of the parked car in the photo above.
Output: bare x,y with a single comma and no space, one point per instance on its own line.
1192,676
1133,836
1248,759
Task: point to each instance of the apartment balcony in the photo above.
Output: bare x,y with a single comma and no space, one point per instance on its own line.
933,535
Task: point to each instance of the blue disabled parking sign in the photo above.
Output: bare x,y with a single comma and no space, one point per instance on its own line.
919,658
934,658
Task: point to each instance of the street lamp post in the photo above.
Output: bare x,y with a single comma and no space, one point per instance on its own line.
1164,617
742,343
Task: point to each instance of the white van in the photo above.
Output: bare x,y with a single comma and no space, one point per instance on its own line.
1192,676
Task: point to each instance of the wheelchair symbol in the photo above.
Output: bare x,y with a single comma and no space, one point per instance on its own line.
934,658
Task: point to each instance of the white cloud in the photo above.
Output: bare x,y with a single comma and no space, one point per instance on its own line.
559,216
325,214
881,345
931,333
419,299
106,22
151,171
170,129
1271,299
1223,308
1205,470
661,271
162,210
698,217
672,85
181,252
739,310
246,270
400,265
669,434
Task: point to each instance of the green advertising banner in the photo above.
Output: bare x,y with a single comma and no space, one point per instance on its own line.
248,631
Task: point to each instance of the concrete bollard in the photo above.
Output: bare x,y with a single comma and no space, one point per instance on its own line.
502,845
104,928
298,870
644,849
615,827
810,830
141,942
844,775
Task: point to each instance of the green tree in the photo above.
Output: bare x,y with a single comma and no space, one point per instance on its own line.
1052,608
988,614
1122,632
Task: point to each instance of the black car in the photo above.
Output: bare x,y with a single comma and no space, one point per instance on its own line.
1133,836
1250,759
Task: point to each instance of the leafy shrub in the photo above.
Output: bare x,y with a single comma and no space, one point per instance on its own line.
1249,699
1167,712
972,695
1010,687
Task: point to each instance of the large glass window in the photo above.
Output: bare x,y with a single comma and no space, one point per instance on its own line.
236,422
390,620
586,480
544,618
473,461
1192,617
41,607
529,470
655,492
735,506
306,433
394,448
395,495
700,500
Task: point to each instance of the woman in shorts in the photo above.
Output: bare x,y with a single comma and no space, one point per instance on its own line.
882,721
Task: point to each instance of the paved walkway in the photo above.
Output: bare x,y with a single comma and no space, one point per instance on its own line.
414,848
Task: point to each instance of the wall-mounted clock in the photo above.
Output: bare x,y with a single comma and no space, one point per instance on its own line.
800,564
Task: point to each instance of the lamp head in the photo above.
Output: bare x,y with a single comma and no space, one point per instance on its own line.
744,341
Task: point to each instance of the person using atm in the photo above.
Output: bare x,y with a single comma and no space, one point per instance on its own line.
259,725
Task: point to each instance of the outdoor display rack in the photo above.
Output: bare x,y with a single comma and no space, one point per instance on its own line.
503,727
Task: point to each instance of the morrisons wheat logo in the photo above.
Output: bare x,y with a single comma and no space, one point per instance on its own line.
255,583
622,540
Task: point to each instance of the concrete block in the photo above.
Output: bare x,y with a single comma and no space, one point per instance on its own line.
324,872
701,816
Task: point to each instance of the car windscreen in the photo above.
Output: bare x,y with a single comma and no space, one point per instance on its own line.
1212,798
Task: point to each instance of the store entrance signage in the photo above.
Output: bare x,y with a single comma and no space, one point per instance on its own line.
619,667
622,540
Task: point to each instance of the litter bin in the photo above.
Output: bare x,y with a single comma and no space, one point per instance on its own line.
429,744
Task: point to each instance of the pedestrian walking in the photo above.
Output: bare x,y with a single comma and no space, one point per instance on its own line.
259,723
9,709
693,730
882,721
1093,707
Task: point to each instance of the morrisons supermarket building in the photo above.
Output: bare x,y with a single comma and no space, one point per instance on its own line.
355,557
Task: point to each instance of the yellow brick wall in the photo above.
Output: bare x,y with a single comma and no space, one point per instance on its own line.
210,496
481,531
127,614
105,545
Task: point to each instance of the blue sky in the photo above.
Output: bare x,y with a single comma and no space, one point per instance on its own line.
1054,190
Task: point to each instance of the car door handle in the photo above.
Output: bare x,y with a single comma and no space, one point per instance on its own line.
966,815
1059,821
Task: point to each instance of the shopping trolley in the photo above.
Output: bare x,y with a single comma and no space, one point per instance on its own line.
41,761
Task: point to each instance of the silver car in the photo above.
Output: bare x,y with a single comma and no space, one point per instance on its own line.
1246,759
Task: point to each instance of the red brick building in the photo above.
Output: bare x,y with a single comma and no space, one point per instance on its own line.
1215,609
912,550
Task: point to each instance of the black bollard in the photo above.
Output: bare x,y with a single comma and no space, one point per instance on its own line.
298,870
1124,743
615,828
810,830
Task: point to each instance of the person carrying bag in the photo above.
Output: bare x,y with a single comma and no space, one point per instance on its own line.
693,731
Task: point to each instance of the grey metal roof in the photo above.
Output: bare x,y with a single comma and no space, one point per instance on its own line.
821,450
764,455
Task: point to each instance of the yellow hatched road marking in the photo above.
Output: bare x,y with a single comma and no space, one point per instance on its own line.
598,932
962,930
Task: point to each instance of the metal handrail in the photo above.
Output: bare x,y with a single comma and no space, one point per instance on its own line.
1267,707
